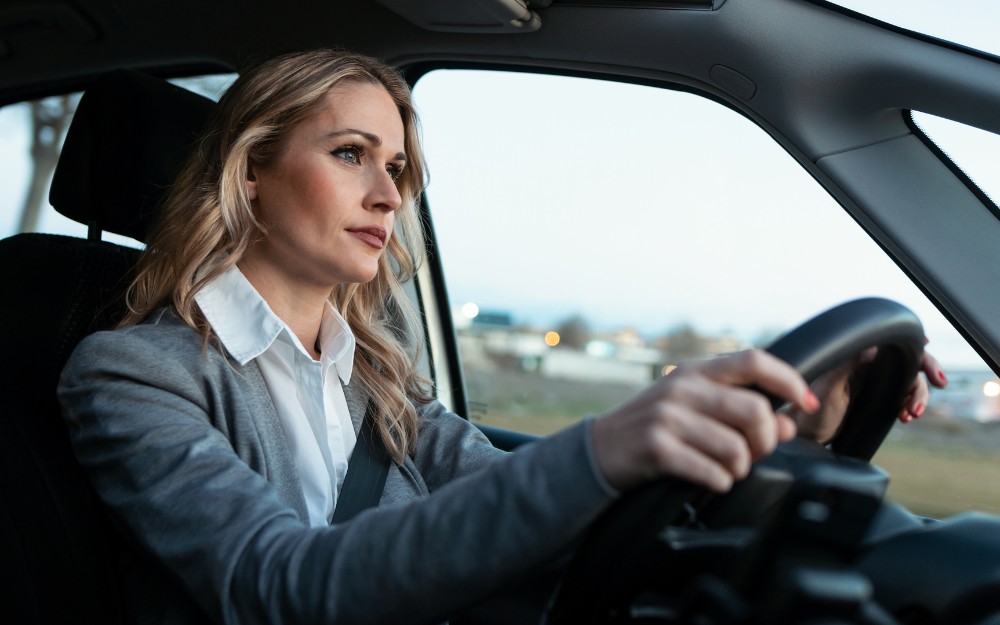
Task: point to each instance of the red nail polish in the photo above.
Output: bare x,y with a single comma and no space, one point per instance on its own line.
812,402
942,377
918,411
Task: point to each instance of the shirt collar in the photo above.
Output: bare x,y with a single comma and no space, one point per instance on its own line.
247,326
337,343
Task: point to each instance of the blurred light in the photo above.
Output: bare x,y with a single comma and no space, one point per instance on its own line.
470,310
668,368
600,349
991,389
551,338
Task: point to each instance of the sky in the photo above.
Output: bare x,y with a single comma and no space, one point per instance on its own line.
707,223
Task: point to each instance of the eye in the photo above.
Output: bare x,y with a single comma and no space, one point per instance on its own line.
349,153
395,171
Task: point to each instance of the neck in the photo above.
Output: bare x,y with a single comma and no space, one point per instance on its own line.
301,308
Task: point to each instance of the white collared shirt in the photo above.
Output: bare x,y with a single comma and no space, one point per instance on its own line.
307,395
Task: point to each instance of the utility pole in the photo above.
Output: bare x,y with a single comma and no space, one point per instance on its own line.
49,118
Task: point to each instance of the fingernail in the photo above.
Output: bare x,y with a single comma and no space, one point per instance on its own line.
907,419
926,340
941,376
811,401
918,411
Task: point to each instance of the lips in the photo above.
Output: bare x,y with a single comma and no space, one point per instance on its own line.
374,236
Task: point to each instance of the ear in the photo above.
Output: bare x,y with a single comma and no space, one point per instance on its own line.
251,184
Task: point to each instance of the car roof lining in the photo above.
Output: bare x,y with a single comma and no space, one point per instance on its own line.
848,102
830,91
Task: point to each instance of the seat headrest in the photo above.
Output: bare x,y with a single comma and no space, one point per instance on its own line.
128,140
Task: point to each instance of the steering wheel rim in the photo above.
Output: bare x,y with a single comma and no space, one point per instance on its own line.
622,535
835,336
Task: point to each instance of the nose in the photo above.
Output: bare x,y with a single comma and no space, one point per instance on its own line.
384,195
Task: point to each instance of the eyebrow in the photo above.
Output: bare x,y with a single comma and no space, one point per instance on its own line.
372,138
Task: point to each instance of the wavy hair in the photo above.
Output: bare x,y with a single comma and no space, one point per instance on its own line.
208,223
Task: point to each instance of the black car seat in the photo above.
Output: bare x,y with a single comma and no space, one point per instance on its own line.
128,139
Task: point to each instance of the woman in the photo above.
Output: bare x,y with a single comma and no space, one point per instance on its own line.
267,313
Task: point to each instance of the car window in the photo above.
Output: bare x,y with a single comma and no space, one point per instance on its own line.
593,234
970,23
973,150
32,134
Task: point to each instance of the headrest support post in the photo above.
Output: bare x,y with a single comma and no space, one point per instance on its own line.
93,231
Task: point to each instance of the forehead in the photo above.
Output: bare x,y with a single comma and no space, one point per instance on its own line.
360,106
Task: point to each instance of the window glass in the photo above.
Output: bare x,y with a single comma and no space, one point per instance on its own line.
971,23
31,135
975,151
594,234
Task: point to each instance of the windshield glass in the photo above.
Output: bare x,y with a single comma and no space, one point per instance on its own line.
971,149
971,23
585,254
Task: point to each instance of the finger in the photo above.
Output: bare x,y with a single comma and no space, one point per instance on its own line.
756,367
919,397
743,411
836,378
916,400
720,442
680,460
932,369
786,428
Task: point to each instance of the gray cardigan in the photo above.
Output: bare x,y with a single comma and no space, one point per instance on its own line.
185,448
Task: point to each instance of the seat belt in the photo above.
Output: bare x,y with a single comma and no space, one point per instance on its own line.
366,472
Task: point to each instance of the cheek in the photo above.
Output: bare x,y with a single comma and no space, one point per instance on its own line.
313,201
392,224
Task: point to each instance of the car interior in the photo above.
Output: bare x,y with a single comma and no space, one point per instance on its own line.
65,545
807,536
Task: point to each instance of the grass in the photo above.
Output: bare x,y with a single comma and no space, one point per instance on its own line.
938,481
938,468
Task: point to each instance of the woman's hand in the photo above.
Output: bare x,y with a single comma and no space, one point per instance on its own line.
701,423
834,391
916,400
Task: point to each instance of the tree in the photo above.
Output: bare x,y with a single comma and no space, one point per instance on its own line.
683,342
49,119
574,332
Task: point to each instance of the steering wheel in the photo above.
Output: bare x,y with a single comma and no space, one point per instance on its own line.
595,588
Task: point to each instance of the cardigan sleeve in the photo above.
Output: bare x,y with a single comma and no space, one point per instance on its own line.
449,447
140,421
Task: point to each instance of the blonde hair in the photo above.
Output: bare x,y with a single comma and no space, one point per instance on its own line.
208,223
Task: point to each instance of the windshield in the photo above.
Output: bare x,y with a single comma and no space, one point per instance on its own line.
971,23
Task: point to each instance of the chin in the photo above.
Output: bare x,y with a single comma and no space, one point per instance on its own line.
363,276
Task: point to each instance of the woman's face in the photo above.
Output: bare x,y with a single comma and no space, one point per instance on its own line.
328,197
